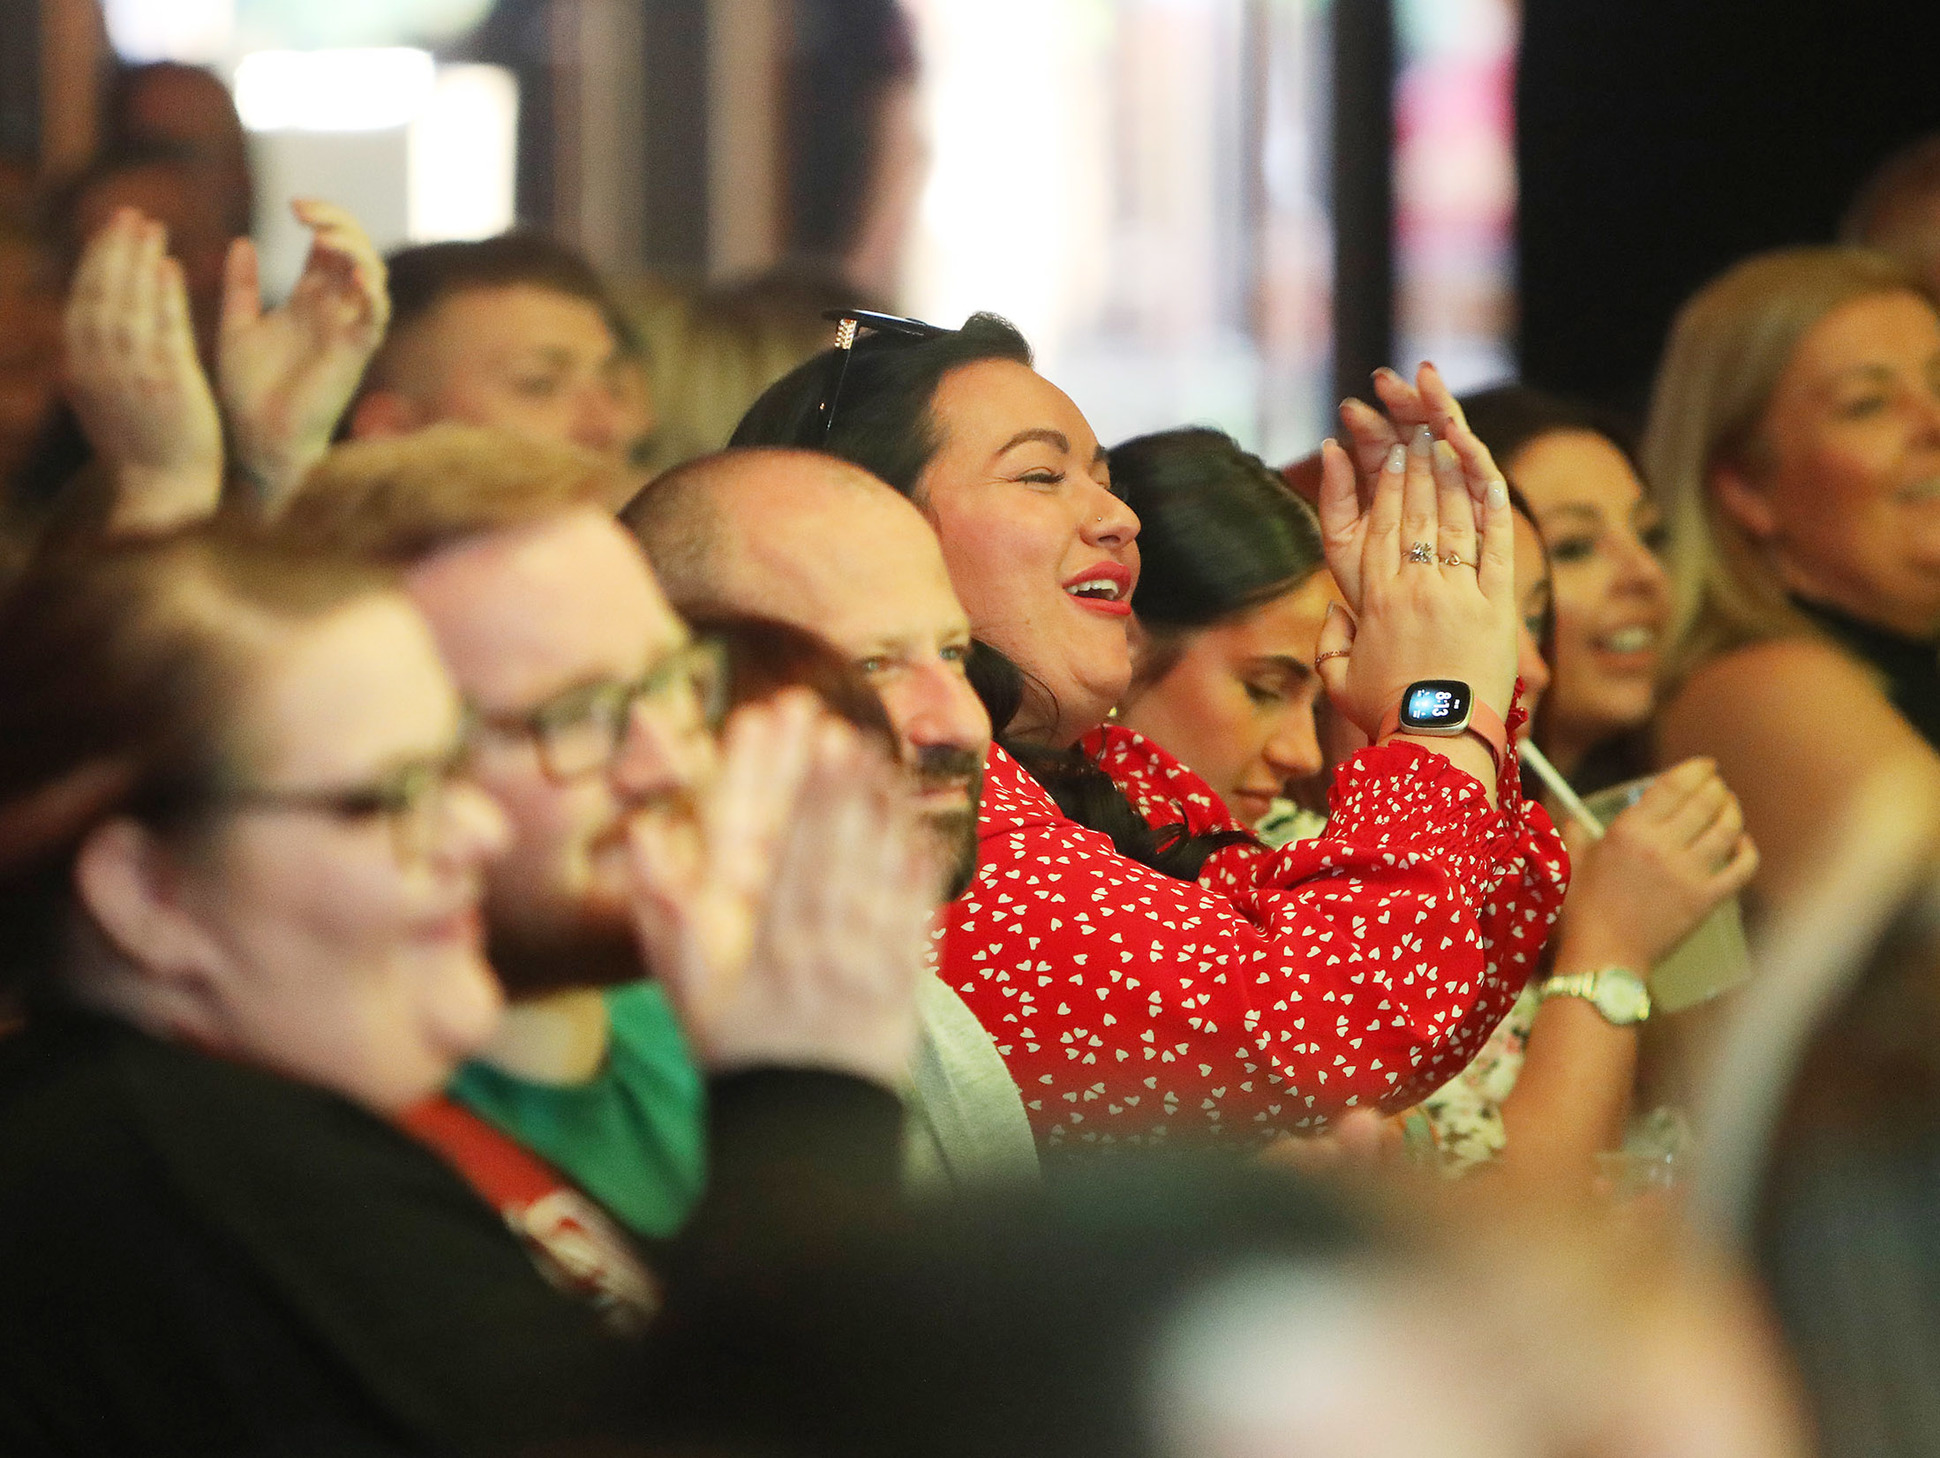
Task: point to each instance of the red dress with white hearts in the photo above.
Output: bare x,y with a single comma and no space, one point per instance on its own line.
1363,968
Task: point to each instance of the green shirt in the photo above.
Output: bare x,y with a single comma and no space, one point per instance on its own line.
634,1137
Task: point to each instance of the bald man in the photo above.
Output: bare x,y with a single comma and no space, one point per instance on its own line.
810,540
813,541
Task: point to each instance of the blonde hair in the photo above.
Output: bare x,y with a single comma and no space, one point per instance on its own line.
401,498
710,355
1728,348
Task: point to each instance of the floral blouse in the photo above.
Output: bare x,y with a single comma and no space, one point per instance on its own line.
1363,968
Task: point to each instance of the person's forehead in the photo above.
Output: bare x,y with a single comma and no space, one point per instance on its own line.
526,612
1564,467
1874,329
505,318
849,564
986,402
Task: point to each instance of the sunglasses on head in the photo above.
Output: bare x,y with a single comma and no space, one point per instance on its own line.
847,322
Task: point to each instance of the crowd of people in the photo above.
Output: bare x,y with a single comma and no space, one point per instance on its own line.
849,916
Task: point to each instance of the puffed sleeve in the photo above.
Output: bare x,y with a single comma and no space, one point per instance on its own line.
1362,968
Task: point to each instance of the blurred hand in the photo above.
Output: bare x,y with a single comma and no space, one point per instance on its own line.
788,919
288,374
131,373
1660,869
1414,620
1359,1142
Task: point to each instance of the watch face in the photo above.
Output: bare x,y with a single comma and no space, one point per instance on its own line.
1435,705
1621,997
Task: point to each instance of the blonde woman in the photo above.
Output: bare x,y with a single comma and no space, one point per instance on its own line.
1794,439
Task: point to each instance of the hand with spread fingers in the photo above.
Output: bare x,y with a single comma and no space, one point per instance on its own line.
131,373
287,374
773,951
1424,554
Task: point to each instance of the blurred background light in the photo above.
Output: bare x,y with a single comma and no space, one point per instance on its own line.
360,90
461,155
196,31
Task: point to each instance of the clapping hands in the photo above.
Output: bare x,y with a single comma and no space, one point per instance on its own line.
1419,535
130,371
787,916
287,374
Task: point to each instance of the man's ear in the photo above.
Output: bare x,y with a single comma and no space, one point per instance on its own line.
128,883
381,414
1743,502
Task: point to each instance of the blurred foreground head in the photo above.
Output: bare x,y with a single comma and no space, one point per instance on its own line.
590,696
230,811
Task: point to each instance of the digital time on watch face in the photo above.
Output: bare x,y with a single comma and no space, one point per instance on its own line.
1435,704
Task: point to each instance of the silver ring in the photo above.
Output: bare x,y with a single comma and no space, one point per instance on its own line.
1453,560
1421,552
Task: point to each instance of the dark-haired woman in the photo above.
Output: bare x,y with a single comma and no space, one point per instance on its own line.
1232,597
1275,989
1611,594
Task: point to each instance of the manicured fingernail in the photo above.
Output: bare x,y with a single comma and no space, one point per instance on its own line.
1498,493
1445,458
1422,441
1397,457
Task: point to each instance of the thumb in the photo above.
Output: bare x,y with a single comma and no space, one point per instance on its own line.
1336,641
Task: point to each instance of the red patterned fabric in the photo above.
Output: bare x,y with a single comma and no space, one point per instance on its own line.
1366,967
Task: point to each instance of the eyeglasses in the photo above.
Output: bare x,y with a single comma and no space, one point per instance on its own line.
411,798
847,322
581,730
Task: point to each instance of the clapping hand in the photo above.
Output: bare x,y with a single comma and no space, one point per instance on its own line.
1423,549
787,917
131,373
287,374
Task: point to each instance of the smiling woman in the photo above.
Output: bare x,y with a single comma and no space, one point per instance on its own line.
1229,612
1107,967
1795,438
239,875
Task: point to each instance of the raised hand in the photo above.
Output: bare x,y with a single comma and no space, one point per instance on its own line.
1432,580
287,375
806,948
131,373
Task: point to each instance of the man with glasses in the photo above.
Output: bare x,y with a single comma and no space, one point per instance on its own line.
591,703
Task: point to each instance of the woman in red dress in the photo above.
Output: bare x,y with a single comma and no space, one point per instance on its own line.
1147,970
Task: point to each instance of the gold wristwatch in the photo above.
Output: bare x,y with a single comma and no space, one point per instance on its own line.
1616,992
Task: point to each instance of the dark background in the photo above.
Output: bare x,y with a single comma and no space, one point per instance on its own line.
1658,141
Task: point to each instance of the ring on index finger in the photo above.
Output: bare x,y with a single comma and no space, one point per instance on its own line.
1421,552
1454,559
1320,658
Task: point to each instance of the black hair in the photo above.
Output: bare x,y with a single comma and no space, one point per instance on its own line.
882,416
1079,788
883,423
1219,530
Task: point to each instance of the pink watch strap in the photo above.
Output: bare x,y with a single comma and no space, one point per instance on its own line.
1483,722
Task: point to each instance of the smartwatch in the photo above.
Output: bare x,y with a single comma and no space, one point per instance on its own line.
1442,708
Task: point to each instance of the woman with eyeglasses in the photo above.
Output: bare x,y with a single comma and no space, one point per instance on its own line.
240,869
1169,977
